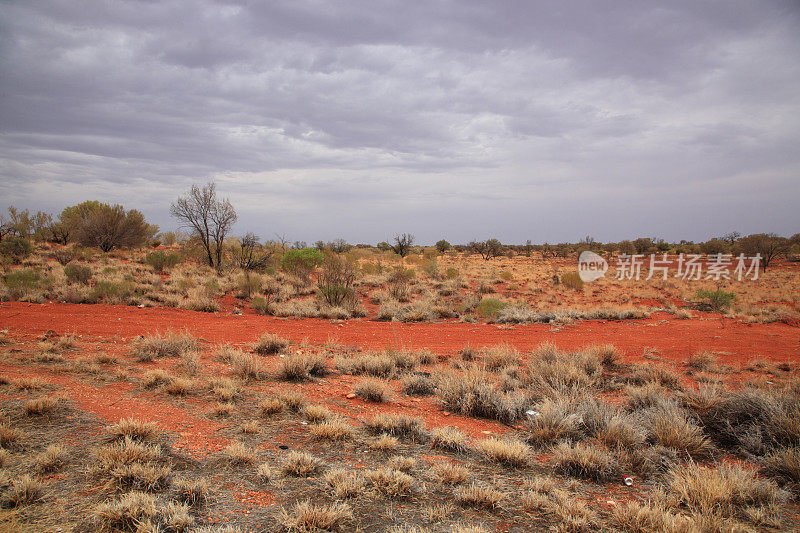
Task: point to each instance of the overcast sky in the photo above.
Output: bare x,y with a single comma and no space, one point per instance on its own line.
363,119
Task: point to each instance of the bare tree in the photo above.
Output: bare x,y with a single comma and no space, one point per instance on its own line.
731,237
251,255
209,218
283,241
402,244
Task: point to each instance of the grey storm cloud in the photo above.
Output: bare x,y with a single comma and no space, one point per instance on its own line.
514,119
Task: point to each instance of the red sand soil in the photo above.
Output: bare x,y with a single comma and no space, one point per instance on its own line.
734,342
111,327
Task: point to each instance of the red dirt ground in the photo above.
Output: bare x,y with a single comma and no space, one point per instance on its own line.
735,342
111,327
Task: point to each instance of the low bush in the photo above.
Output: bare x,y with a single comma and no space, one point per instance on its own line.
474,393
489,308
15,248
301,367
418,385
269,344
22,281
78,273
507,452
171,344
717,301
398,425
583,460
161,261
373,390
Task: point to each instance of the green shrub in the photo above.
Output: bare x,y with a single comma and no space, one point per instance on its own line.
302,262
110,291
451,273
249,284
336,281
490,307
718,300
572,280
15,248
161,261
77,273
23,280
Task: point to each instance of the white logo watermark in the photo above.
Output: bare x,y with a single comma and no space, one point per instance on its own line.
592,266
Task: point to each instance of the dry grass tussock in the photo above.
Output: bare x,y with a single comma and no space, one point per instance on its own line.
170,344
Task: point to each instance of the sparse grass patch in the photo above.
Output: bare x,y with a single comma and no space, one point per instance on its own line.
345,484
635,517
269,344
507,452
155,378
301,464
126,513
301,366
51,459
398,425
584,460
702,361
176,517
23,490
317,413
475,393
335,429
307,517
449,438
27,384
180,387
373,390
139,476
449,473
45,405
251,427
130,428
784,465
475,495
669,426
292,400
171,344
378,365
418,385
270,406
727,491
191,492
385,443
389,482
264,472
246,366
239,454
121,453
402,463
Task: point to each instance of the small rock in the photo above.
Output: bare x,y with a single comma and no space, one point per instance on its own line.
351,396
445,413
486,432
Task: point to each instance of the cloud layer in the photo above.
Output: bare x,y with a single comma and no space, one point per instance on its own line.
364,119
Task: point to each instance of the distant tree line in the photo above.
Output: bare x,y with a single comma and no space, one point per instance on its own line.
210,220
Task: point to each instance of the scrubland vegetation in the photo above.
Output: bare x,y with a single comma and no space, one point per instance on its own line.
580,441
168,431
